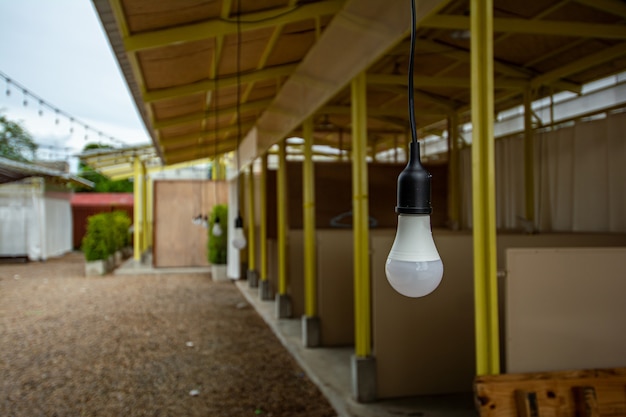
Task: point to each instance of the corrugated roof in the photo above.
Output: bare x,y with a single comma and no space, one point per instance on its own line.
102,199
11,171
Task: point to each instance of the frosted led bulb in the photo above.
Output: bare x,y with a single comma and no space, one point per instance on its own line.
413,267
239,241
217,228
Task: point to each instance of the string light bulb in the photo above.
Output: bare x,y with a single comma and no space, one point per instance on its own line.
239,240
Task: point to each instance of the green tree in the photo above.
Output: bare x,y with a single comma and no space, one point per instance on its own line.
15,141
102,184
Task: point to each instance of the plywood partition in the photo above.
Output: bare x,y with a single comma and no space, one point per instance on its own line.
177,241
565,308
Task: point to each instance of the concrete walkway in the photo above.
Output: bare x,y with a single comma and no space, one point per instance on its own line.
328,368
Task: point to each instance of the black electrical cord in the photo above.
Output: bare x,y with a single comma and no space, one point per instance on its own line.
410,75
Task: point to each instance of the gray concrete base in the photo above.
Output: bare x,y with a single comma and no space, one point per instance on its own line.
253,278
265,291
363,379
283,306
310,331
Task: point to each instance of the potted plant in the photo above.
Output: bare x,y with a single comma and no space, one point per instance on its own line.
218,241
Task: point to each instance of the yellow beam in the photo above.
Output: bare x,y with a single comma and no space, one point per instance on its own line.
221,27
251,225
137,224
263,225
424,81
208,85
536,27
360,199
588,61
529,160
382,111
199,151
483,189
308,207
281,178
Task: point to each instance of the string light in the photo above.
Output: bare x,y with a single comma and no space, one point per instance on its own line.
57,112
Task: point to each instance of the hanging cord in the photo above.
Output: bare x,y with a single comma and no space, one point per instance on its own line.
238,89
216,129
411,59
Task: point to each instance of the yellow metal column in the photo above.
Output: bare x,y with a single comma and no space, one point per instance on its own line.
483,183
454,177
150,216
137,210
363,363
283,302
264,289
144,209
529,160
310,321
308,203
253,279
360,211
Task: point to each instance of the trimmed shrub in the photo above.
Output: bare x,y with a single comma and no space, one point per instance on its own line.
106,233
218,245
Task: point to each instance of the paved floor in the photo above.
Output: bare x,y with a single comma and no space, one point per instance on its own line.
329,368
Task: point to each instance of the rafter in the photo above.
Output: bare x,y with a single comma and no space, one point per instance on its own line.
424,81
208,85
615,7
199,137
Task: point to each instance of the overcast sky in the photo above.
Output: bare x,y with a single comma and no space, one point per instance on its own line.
59,52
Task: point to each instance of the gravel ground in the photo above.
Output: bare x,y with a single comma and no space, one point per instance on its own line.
157,345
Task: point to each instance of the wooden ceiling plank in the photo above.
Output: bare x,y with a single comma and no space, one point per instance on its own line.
222,27
200,136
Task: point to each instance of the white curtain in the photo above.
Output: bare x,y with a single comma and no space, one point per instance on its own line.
58,237
580,178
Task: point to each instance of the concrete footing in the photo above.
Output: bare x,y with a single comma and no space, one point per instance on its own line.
363,378
283,306
253,278
265,291
310,331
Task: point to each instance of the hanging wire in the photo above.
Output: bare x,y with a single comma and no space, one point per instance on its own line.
411,93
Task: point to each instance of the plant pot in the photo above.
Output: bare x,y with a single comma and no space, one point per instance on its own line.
218,272
96,268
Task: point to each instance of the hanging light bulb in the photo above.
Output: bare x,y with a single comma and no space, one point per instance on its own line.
413,267
217,227
205,222
239,241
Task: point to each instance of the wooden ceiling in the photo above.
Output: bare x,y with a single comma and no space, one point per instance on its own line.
193,66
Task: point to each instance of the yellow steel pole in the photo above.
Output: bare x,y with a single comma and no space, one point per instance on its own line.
263,225
308,202
362,296
454,178
282,217
483,182
251,226
144,208
137,209
529,151
150,202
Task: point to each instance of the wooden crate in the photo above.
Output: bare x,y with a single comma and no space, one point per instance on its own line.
585,393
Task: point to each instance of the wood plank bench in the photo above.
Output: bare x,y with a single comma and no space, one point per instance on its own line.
585,393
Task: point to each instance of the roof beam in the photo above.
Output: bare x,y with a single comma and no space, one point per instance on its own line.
580,65
209,85
197,152
222,27
537,27
359,34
